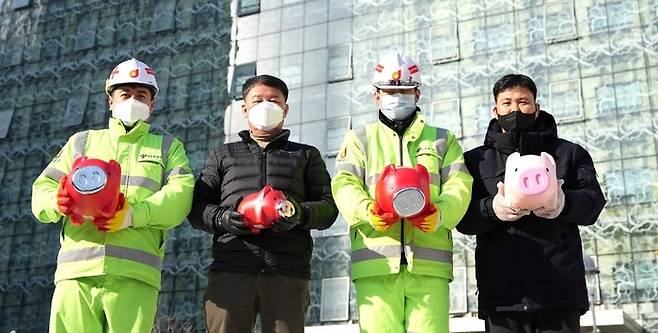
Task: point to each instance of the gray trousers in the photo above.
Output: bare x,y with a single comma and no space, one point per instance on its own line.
232,301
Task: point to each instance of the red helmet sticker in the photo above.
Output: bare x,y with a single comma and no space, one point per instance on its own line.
114,71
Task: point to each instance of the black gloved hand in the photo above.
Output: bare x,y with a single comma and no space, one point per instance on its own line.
233,222
289,222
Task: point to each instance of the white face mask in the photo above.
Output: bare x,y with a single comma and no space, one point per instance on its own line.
265,115
397,106
130,111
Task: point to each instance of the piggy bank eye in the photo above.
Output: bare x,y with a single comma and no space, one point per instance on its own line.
516,169
547,170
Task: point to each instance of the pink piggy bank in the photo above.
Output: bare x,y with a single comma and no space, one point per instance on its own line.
530,180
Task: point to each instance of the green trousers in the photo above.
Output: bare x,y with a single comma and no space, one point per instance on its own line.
402,302
103,304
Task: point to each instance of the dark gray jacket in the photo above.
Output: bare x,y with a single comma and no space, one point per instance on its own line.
236,169
532,263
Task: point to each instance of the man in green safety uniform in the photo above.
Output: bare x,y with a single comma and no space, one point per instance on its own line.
108,271
401,267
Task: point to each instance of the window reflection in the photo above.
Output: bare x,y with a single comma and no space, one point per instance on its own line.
559,21
248,7
340,63
241,74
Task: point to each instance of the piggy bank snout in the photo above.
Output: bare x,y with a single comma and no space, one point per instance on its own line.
89,179
409,201
533,181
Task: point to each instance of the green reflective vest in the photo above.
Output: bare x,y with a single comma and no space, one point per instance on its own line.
364,154
156,180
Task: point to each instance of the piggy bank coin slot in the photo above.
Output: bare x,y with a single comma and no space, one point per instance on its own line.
408,202
89,180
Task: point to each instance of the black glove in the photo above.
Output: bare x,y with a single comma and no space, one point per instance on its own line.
289,222
233,223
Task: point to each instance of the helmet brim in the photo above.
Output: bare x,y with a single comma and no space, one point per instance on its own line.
381,86
154,90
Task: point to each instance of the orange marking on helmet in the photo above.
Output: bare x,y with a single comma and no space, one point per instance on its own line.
379,68
396,75
134,73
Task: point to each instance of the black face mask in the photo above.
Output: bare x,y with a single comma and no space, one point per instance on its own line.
516,121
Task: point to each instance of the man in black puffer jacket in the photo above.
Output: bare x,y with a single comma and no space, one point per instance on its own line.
529,264
269,272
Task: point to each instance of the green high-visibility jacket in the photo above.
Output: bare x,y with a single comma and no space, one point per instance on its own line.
156,180
364,154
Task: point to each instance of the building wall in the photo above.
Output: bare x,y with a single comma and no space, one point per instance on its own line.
595,63
54,59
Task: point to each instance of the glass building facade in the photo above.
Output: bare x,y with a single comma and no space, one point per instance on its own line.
595,63
54,59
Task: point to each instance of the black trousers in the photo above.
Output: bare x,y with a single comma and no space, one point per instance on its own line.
559,320
232,301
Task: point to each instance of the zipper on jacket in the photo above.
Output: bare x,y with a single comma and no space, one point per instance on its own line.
263,183
264,168
403,257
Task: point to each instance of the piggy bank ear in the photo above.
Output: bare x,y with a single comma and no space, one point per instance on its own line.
265,190
513,159
114,165
79,159
548,159
422,170
387,169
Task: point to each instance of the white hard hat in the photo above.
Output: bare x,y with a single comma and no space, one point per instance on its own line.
396,71
131,71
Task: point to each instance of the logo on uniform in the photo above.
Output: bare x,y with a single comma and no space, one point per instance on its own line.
150,156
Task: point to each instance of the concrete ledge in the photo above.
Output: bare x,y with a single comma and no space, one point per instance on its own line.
607,321
466,324
345,328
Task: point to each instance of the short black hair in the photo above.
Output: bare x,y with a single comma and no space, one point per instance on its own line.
514,80
267,80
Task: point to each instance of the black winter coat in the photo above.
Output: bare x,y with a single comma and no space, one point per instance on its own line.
234,170
532,263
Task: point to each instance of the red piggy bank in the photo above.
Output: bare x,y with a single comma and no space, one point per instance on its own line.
94,189
262,209
403,191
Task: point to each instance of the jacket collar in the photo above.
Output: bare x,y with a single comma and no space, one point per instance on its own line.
399,126
117,129
278,142
409,127
540,137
